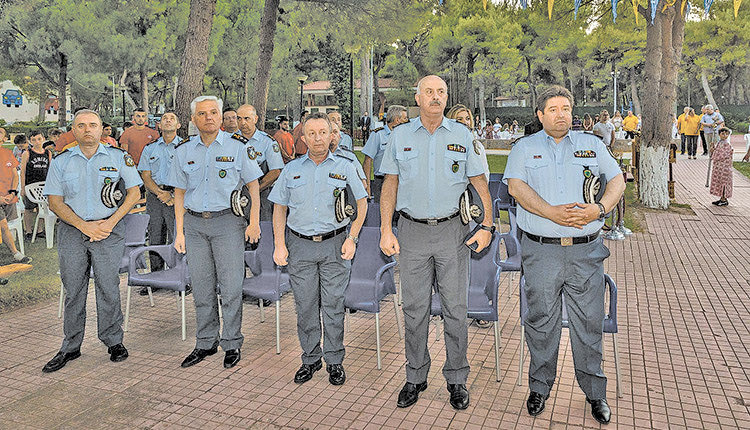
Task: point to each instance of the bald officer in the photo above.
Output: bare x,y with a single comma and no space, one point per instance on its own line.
428,164
550,174
375,147
316,246
265,151
90,235
205,171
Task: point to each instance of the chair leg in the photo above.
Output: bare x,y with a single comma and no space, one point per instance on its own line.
49,231
497,350
262,314
510,283
377,337
398,293
398,318
36,228
62,301
182,294
278,332
520,356
617,364
150,296
127,310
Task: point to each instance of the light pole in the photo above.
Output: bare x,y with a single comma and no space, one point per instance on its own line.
301,79
122,90
614,74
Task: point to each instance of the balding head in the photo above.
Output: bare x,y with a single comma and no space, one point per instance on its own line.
432,95
247,118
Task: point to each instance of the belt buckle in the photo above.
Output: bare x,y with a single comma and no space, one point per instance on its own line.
566,241
432,222
318,238
206,215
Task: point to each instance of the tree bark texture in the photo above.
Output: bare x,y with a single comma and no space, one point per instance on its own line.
364,81
634,93
707,89
194,58
482,111
664,41
62,92
40,113
265,55
144,89
470,60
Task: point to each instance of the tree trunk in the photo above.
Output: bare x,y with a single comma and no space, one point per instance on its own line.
470,60
246,84
175,80
40,113
634,93
144,89
482,111
530,82
265,56
364,81
62,92
707,89
663,52
194,58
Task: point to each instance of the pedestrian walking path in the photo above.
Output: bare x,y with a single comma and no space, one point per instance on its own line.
683,342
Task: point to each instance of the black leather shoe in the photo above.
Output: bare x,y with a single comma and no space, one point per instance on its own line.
231,358
306,371
459,396
117,353
336,374
600,410
197,356
59,361
535,403
410,394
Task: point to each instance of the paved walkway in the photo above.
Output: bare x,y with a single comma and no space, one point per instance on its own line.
683,318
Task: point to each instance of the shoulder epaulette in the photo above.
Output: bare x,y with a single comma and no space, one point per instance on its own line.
115,147
399,125
182,142
241,138
346,156
377,129
459,122
60,153
522,138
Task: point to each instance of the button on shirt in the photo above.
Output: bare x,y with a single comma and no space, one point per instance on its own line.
346,142
308,190
157,158
264,150
555,172
433,169
375,147
210,174
79,180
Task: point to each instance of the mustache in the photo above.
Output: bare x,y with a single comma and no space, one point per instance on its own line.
435,103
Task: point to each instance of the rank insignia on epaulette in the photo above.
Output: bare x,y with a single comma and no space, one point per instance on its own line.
222,173
585,154
129,160
456,148
107,169
225,159
337,176
275,147
241,138
251,154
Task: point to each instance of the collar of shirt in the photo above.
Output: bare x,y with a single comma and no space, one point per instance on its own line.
199,139
445,123
551,140
306,157
76,150
256,135
176,141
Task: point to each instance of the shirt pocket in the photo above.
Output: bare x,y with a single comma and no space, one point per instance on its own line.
333,185
455,166
107,178
227,175
194,175
408,165
71,183
296,190
581,164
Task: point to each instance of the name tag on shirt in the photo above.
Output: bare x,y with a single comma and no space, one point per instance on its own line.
585,154
225,159
456,148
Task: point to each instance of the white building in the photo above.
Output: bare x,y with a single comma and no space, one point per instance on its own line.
15,108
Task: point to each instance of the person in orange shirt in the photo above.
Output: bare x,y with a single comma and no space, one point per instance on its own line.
107,135
285,140
8,200
300,148
135,138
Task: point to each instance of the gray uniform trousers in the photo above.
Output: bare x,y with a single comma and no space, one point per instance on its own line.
434,253
215,253
266,206
576,271
376,186
160,224
319,277
77,255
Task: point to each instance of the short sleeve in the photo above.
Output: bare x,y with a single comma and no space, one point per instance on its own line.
249,169
607,163
53,183
177,177
357,188
476,159
273,156
279,193
389,166
514,168
129,174
144,164
371,146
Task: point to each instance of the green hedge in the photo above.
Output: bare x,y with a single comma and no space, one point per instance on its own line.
28,126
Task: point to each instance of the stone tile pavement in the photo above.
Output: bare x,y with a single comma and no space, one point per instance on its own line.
683,319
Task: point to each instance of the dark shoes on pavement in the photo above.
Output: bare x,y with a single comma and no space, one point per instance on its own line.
60,360
117,353
197,356
600,410
535,403
336,374
459,396
306,372
231,358
410,394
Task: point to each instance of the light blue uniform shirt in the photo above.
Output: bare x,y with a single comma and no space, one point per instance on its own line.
433,169
157,158
352,157
79,180
266,150
555,172
308,190
346,142
210,174
375,147
714,118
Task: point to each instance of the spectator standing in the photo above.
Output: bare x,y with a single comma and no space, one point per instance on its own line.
576,124
285,140
605,129
135,138
721,175
300,148
107,135
690,127
617,121
22,144
630,125
711,122
680,127
8,200
34,166
588,122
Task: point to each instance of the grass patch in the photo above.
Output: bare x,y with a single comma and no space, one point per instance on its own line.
742,167
39,284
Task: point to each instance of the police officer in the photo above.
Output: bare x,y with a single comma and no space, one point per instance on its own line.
552,175
345,141
316,247
155,165
205,171
428,164
265,151
375,147
346,154
90,235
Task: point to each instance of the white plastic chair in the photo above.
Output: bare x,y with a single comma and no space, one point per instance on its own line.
16,226
35,193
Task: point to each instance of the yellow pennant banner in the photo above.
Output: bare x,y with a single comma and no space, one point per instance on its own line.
682,8
549,8
668,3
635,11
736,7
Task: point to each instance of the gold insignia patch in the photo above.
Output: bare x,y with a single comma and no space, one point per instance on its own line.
129,160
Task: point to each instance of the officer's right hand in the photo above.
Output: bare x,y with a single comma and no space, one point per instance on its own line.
280,254
164,196
96,230
388,243
179,242
568,215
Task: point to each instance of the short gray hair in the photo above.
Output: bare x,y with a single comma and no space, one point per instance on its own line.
419,84
708,106
86,112
393,112
199,99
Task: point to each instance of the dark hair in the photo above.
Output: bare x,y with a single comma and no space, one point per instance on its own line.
54,131
127,124
106,124
724,129
139,109
36,132
228,109
551,92
19,139
47,144
302,115
282,118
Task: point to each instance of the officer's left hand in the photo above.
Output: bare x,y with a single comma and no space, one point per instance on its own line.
6,199
348,249
588,212
482,238
252,233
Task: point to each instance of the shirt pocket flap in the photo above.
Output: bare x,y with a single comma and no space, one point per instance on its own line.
406,154
535,163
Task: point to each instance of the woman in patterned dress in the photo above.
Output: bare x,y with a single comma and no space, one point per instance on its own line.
721,176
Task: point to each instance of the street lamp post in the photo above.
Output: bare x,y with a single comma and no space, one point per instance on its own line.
614,74
301,79
122,90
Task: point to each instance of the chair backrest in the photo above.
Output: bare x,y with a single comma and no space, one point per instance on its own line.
264,252
373,214
496,180
502,194
369,258
135,229
35,192
483,265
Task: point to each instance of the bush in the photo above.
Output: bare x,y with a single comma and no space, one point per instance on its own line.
28,126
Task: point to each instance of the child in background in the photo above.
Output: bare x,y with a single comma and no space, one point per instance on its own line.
22,143
721,175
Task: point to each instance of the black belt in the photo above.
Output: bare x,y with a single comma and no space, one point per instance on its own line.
209,214
379,176
563,241
428,221
320,237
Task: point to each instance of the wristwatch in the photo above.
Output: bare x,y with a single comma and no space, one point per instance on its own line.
490,229
602,212
353,238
